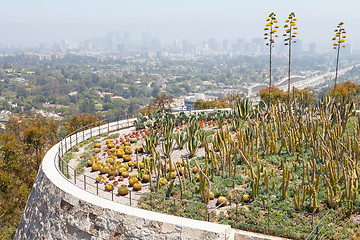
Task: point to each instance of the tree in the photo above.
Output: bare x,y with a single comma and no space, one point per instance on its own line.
87,106
346,90
339,41
290,35
23,145
78,121
270,30
107,98
211,104
233,97
163,102
276,96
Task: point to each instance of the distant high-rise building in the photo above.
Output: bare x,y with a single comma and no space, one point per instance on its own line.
111,41
297,47
146,39
312,48
155,44
88,45
121,47
126,37
347,50
251,48
186,46
177,44
239,46
213,44
42,46
260,43
225,45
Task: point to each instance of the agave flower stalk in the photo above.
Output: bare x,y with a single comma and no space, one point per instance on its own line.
270,34
290,35
339,41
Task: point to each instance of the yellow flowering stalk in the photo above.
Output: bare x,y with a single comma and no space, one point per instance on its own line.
269,35
290,36
339,41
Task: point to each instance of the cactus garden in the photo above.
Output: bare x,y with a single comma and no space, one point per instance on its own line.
244,167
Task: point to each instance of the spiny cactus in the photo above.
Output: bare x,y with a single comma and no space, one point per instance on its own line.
167,146
193,145
181,139
299,197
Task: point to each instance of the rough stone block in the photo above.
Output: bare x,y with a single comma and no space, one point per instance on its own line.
191,233
167,228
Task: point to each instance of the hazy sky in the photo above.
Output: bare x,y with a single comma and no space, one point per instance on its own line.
33,21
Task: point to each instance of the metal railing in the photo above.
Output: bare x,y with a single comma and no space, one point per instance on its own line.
240,215
267,219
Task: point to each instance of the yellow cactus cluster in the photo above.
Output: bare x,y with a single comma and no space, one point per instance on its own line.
339,38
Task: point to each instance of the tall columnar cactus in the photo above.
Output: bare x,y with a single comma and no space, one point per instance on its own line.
168,125
181,139
334,195
167,147
285,182
193,145
204,186
313,194
299,197
151,142
192,128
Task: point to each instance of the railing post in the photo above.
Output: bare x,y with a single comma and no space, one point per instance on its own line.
75,176
67,169
97,187
312,221
174,207
65,145
112,193
268,218
151,205
236,209
91,131
130,197
84,182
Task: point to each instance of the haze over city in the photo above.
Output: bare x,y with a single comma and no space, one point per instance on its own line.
28,23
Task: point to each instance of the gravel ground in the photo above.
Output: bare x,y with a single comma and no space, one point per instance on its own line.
98,188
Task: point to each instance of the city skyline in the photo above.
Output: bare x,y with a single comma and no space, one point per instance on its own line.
29,23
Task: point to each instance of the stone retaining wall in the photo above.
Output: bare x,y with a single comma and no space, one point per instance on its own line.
52,213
